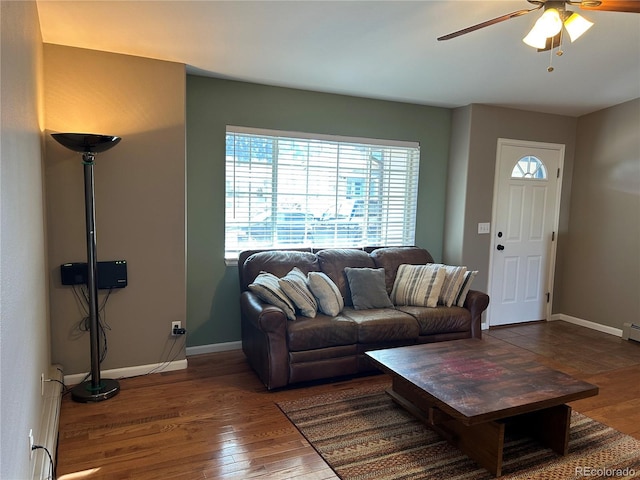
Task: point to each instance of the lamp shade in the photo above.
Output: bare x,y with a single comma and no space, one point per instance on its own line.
86,142
535,39
576,25
549,24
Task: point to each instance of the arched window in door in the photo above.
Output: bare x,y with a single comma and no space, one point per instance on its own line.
529,167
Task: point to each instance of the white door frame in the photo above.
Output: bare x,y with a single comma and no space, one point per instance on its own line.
556,215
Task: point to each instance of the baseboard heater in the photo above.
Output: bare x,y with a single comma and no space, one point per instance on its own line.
47,434
631,331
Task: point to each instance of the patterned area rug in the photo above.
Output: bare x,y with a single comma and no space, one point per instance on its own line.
363,435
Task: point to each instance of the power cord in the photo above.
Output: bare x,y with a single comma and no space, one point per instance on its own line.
82,299
170,358
51,464
64,387
81,295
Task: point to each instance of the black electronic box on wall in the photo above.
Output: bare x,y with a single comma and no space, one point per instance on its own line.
112,274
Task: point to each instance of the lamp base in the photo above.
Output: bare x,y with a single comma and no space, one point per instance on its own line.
84,392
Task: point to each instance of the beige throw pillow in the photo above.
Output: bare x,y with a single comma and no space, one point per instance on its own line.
417,285
330,301
267,287
465,286
294,285
451,286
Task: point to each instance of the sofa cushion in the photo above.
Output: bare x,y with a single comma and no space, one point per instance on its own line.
267,287
464,287
453,277
390,258
382,325
439,319
367,288
333,262
330,301
320,332
417,285
294,285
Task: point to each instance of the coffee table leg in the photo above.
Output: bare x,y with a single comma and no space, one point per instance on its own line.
483,442
550,427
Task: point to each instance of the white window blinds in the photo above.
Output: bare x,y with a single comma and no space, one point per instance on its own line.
286,189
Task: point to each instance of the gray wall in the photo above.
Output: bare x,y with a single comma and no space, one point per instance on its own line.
457,184
597,276
476,128
140,200
212,288
601,257
24,322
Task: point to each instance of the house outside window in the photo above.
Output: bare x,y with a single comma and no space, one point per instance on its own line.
290,189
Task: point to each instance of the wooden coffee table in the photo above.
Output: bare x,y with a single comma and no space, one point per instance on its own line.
469,391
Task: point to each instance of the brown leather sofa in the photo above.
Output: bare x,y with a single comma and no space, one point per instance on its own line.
285,352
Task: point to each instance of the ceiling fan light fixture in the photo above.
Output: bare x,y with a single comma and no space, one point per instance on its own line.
550,23
535,39
576,25
547,26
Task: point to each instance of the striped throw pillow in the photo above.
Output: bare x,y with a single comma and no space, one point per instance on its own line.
267,287
417,285
451,286
294,285
464,288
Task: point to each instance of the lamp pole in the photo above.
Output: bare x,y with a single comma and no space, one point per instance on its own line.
97,389
88,159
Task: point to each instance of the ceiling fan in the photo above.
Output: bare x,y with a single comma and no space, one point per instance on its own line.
547,33
560,6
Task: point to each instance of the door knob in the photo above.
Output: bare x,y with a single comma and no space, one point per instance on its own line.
500,247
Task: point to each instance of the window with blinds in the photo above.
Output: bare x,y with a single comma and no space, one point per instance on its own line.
286,189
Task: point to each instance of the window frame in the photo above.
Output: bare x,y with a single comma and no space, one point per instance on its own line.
381,158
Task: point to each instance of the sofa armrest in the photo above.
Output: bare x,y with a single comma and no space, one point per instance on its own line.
264,340
264,316
476,302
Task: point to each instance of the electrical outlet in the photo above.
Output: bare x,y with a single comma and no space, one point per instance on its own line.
42,384
174,326
31,443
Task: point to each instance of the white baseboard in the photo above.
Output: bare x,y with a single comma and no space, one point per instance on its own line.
47,435
157,367
586,323
213,348
130,371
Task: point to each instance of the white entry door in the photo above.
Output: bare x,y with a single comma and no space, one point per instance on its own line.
525,219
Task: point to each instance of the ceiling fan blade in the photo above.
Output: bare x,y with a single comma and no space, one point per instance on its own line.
488,23
615,6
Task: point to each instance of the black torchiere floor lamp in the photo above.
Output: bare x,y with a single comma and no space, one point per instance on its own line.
96,389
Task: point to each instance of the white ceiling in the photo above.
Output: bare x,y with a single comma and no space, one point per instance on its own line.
378,49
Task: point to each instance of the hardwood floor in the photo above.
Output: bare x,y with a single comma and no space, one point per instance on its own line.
216,420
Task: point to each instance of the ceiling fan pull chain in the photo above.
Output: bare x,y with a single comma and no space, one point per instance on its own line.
560,51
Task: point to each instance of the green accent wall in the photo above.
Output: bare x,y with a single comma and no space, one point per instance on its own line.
213,313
